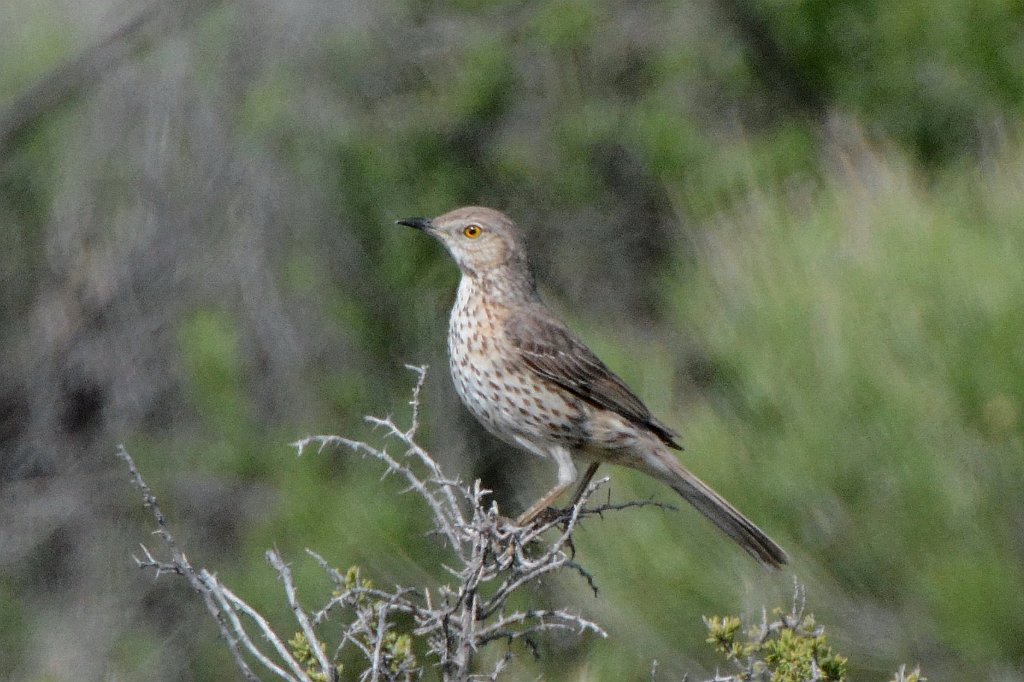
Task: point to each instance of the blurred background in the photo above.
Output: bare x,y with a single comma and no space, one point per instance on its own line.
796,228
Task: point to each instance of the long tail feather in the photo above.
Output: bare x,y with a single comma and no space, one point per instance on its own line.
725,516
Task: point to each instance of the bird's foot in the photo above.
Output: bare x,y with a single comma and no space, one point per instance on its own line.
549,515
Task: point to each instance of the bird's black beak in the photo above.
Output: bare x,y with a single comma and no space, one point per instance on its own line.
418,223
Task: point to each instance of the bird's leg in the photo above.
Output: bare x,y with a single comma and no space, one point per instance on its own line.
566,477
584,482
543,503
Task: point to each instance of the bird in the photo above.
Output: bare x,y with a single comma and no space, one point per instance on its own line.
534,384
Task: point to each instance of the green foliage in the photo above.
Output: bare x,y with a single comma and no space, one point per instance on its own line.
791,647
867,342
354,580
303,653
217,388
209,344
32,42
781,651
799,654
12,633
722,634
566,24
923,73
397,655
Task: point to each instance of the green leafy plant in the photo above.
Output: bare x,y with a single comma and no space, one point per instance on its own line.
789,646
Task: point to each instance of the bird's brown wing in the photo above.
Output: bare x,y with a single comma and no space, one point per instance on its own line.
549,348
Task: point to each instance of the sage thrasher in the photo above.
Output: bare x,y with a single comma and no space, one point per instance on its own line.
533,383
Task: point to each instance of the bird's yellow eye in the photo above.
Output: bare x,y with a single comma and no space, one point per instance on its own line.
472,231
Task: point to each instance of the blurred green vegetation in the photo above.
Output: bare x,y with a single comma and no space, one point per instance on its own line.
869,355
796,228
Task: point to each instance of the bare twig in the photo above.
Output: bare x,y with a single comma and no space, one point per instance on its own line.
179,564
232,606
285,574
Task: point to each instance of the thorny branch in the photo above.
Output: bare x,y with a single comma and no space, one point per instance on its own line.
491,559
179,564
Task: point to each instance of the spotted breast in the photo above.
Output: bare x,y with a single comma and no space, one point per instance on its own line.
515,405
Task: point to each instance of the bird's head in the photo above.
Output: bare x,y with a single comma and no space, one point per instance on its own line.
480,240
